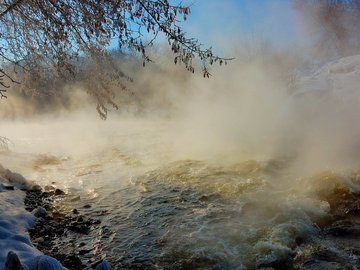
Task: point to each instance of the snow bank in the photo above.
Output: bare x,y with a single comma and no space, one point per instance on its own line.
321,118
336,79
15,221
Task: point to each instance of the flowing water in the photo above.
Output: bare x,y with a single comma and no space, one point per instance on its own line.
160,210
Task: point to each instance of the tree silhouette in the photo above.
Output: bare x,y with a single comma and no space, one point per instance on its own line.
47,38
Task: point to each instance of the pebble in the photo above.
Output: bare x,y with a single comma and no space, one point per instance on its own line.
49,188
59,192
39,212
35,188
39,240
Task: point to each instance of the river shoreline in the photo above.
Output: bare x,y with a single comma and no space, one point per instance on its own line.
55,229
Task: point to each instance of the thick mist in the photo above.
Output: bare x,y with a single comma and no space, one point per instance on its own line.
245,111
266,104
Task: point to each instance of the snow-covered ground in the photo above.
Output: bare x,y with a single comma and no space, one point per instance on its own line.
15,222
336,79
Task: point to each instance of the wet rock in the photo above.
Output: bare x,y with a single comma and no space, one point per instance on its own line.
7,187
70,261
324,265
321,258
79,228
95,222
58,215
353,210
39,212
47,194
84,251
49,188
342,228
299,240
32,200
35,187
48,263
39,240
87,206
59,192
279,264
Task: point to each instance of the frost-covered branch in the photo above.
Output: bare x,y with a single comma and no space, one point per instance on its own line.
48,37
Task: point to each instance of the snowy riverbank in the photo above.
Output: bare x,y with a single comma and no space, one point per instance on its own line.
15,222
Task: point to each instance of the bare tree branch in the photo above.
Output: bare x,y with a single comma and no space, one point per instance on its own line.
11,7
46,38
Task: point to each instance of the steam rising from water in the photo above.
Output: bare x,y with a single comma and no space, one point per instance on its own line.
245,111
233,151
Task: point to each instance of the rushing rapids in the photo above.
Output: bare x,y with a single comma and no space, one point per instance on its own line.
197,215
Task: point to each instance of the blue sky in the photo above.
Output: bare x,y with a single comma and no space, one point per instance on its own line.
224,24
220,21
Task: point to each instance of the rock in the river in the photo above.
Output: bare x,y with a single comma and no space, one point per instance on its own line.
39,212
7,187
59,192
